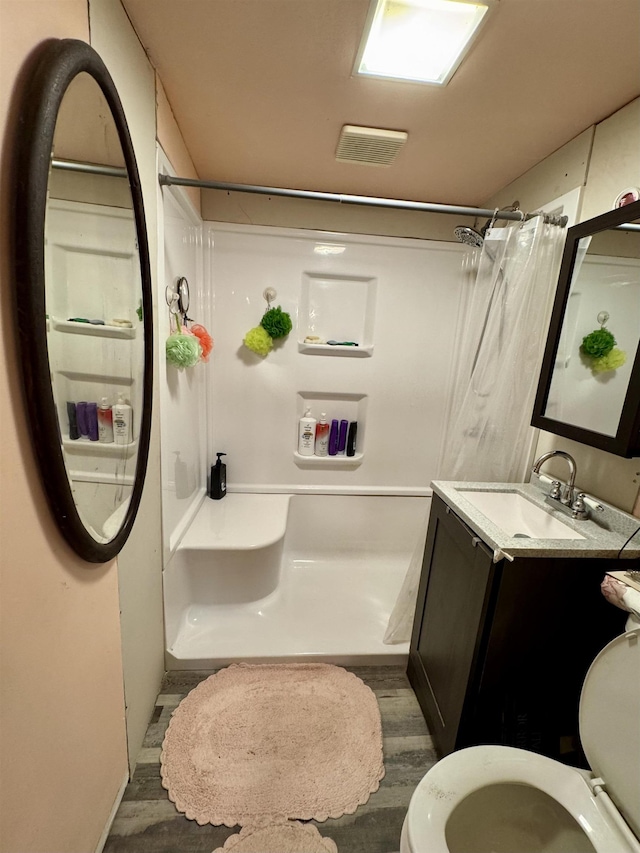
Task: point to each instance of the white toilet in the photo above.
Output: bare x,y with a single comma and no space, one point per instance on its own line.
498,799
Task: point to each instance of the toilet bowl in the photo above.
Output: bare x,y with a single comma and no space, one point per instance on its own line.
499,799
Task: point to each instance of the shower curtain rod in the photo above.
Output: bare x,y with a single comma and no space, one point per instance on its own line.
401,204
89,168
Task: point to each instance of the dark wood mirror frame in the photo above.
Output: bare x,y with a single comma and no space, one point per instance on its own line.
51,69
626,442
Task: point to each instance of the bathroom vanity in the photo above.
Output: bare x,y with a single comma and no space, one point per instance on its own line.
507,623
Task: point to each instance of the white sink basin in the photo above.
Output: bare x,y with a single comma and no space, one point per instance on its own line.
517,516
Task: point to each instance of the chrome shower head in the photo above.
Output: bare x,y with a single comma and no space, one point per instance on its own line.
468,235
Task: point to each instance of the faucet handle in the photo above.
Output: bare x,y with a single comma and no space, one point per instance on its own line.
556,490
592,503
579,507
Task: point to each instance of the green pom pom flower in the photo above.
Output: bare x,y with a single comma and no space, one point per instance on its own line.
258,340
276,322
598,343
183,350
612,361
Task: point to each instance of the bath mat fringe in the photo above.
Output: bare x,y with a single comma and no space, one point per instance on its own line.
283,837
255,744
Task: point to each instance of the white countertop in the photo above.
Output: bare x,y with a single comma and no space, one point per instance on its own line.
604,532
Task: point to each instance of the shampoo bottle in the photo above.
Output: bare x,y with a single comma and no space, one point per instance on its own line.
322,436
351,438
333,438
122,433
81,419
307,434
105,422
92,421
342,436
218,481
73,421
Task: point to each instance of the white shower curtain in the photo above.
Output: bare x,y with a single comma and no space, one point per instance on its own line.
500,338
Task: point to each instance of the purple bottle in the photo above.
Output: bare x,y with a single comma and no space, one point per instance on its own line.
81,419
92,421
333,438
342,437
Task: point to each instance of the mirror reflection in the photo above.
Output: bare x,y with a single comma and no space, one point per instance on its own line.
600,332
93,293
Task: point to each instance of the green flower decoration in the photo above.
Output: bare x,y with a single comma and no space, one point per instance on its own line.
598,343
276,322
612,361
258,340
183,350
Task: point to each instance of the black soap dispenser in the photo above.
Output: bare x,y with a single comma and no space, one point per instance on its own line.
218,484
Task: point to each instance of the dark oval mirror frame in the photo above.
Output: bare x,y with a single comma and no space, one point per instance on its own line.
626,442
51,69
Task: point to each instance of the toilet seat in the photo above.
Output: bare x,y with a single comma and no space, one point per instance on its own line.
461,773
609,714
609,721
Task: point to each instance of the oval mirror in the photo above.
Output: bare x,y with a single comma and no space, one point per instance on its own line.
83,297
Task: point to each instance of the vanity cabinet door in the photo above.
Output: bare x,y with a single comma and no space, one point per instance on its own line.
454,602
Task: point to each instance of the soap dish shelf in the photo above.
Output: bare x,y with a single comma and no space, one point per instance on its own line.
340,460
328,349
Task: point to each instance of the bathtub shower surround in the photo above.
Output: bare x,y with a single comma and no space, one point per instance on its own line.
278,577
396,299
307,553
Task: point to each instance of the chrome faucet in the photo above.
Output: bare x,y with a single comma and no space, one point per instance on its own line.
568,502
569,495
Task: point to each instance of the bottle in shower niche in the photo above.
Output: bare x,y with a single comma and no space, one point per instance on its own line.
342,436
322,436
81,419
334,433
74,433
307,434
351,438
92,421
105,422
122,432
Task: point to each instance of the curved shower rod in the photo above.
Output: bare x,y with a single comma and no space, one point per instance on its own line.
373,201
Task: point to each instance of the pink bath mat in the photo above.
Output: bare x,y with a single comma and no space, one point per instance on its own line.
261,743
279,838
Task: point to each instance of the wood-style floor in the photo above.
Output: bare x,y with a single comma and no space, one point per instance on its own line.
147,822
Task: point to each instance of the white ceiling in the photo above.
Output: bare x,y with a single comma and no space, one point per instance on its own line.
261,89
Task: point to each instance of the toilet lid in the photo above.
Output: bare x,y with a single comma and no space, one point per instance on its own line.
610,722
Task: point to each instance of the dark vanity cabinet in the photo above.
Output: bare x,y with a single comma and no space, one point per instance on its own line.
499,650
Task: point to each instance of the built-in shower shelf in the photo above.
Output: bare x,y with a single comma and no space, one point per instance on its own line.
328,349
340,460
98,448
68,326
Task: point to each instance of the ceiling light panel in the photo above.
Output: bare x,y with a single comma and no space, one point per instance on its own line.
419,40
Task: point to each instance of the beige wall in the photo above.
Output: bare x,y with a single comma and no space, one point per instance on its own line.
65,647
140,561
604,160
63,751
170,138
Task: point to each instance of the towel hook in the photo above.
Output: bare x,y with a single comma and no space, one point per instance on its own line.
177,296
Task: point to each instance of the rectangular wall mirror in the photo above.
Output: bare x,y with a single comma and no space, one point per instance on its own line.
589,387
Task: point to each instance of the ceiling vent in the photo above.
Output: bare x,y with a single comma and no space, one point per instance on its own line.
370,146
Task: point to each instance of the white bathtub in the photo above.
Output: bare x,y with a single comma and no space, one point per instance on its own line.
266,577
